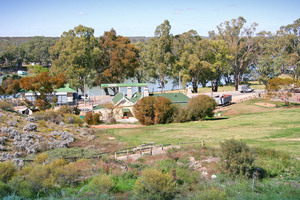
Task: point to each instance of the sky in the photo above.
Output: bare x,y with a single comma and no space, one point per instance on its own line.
51,18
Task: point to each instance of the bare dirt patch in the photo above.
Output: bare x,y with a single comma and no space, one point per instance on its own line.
114,126
269,105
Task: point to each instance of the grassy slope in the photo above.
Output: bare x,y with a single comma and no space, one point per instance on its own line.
277,128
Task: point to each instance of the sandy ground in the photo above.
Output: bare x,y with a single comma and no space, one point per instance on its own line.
113,126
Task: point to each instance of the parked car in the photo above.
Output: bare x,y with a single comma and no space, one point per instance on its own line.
245,89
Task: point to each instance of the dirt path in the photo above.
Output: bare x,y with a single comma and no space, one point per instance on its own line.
113,126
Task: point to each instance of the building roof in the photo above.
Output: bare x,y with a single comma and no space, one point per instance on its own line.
117,98
98,107
124,85
66,88
174,97
135,97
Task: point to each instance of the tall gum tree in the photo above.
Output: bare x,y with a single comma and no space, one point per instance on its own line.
160,52
117,61
242,45
72,55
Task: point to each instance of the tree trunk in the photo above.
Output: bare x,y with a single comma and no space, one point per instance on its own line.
106,91
195,85
162,86
216,85
236,82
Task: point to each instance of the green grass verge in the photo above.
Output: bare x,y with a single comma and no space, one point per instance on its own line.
277,128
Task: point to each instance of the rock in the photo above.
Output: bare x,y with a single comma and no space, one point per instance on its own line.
10,131
30,119
3,139
30,127
12,123
213,176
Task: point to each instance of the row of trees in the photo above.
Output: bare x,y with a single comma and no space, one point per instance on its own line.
232,51
35,50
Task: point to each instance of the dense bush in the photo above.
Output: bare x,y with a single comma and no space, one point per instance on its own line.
236,158
4,105
164,110
7,170
101,184
200,107
153,184
92,118
144,110
65,109
152,110
49,115
73,119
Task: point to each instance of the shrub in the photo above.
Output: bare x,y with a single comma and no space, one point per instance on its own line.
180,114
73,119
49,115
153,184
41,158
92,118
21,187
4,105
236,158
7,171
152,110
65,109
101,184
4,189
200,107
210,194
66,175
164,110
144,110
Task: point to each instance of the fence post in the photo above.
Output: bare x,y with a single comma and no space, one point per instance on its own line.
127,154
115,155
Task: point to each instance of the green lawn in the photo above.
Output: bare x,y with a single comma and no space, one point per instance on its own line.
277,128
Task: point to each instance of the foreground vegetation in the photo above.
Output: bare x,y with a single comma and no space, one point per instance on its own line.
223,169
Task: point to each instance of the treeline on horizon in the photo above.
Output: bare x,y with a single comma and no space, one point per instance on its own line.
232,51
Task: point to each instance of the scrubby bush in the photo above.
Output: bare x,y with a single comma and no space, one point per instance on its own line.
180,114
164,110
101,184
65,109
200,107
144,110
92,118
73,119
153,184
4,189
49,115
236,158
7,171
152,110
4,105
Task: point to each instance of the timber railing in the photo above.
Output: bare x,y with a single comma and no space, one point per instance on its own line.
144,148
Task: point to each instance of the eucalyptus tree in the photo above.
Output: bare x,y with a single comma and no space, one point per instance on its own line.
183,45
116,60
195,63
220,61
37,49
142,71
290,35
242,44
72,55
160,53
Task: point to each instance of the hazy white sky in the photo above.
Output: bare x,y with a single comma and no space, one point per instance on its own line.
138,17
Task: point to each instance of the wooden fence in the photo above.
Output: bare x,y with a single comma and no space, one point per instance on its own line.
144,148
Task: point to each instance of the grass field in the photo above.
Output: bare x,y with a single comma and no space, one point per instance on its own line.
277,128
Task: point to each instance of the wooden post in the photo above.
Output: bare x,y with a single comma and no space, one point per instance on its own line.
127,155
151,151
115,155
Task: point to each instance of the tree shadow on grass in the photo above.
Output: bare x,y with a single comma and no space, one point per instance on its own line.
215,119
